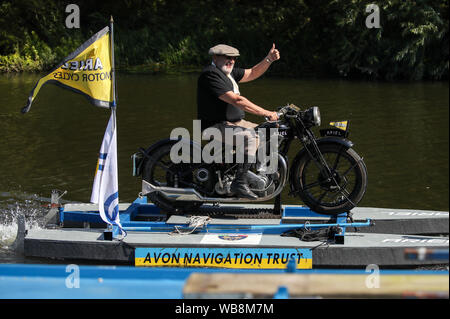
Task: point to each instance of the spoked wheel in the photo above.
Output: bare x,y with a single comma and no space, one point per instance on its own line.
333,193
160,171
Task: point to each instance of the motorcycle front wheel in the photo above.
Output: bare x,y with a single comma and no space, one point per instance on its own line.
330,194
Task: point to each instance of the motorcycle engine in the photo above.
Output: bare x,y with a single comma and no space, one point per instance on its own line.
257,182
223,185
260,184
203,177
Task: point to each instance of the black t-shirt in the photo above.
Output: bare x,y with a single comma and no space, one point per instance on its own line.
212,83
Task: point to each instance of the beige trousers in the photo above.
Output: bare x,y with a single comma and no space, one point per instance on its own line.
243,132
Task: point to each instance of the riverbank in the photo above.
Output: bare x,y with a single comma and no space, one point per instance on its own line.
327,38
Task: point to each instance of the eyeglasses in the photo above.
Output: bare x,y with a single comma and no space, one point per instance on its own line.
233,58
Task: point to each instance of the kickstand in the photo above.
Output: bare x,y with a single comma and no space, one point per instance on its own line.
277,206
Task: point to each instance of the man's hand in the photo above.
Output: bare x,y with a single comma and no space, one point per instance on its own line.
273,116
259,69
273,54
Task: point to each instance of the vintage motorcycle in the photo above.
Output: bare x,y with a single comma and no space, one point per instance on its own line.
327,174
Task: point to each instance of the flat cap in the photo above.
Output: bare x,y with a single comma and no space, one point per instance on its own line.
223,49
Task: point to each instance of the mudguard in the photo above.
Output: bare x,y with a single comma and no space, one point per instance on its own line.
321,141
140,158
335,140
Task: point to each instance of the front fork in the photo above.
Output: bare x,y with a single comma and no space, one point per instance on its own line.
310,145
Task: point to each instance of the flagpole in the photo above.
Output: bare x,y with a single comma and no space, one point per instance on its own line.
114,229
113,70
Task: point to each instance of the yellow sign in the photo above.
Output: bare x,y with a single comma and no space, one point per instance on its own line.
86,71
341,125
240,258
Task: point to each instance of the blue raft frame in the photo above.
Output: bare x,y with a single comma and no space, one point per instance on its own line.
128,219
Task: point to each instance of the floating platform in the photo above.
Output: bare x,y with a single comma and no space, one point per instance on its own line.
394,239
386,220
359,250
392,221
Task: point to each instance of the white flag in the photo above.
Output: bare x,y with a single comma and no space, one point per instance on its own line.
105,190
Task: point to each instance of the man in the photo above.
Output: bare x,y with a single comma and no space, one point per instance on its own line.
220,104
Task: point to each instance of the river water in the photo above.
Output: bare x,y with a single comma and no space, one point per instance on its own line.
400,129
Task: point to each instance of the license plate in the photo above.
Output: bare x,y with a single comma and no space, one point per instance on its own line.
334,132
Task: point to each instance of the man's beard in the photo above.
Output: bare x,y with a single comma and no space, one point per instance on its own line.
226,70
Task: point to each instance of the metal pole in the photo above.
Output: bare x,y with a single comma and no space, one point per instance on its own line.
113,70
115,229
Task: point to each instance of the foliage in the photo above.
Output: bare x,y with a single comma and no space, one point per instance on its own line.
315,37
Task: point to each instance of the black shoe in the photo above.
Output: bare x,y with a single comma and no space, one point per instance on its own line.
239,186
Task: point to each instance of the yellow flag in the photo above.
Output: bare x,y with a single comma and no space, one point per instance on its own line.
88,71
341,125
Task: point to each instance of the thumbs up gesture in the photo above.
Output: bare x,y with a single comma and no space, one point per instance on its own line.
273,54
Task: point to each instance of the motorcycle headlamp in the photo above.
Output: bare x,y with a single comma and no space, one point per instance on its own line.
312,115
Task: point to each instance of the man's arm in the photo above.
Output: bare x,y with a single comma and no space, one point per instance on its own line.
260,68
243,103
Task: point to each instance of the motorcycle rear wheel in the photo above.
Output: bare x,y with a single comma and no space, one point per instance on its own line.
335,195
160,171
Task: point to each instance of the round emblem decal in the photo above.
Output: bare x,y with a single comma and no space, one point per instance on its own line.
232,237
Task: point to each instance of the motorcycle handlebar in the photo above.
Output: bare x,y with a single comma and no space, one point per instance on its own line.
278,114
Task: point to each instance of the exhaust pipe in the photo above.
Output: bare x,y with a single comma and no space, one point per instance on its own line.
191,195
172,193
